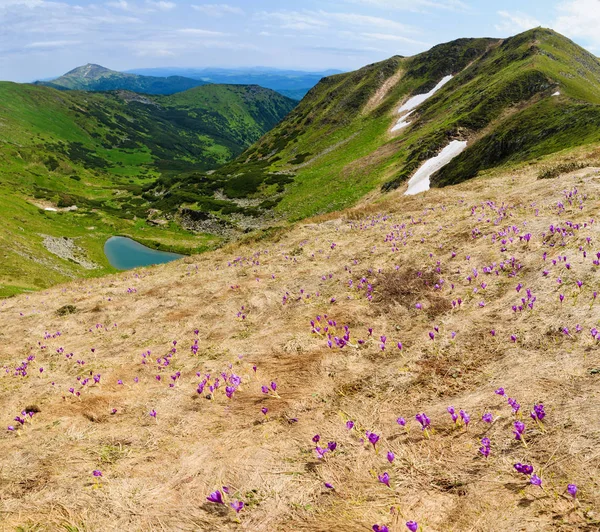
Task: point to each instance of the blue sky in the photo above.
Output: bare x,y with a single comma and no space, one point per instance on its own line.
44,38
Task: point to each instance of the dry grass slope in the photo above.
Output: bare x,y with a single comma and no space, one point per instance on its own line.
157,472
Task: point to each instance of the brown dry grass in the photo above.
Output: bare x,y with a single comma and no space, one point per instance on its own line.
157,474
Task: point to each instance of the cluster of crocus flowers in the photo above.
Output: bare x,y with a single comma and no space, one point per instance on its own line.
538,414
466,418
270,390
321,451
217,497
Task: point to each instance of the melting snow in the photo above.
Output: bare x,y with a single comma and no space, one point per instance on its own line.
417,100
402,122
557,93
52,209
420,181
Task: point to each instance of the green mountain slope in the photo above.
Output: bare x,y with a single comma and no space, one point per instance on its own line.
338,144
92,77
96,152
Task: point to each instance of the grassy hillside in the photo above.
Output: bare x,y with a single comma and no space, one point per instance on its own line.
462,287
96,152
338,144
97,78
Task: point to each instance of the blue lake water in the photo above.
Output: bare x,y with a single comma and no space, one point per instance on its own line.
124,253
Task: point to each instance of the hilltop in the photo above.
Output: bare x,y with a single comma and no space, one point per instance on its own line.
75,165
515,99
135,396
93,77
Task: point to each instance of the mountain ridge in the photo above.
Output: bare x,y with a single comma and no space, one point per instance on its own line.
335,149
94,77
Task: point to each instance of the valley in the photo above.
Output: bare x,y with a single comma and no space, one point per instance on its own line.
75,166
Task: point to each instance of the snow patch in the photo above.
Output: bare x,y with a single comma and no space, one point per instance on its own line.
417,100
402,123
420,181
557,93
52,209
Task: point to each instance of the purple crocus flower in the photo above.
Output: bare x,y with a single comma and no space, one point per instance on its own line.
519,430
384,479
216,497
96,473
485,447
373,438
349,425
423,420
452,413
237,506
332,446
316,438
465,417
320,451
572,489
413,526
264,389
401,421
273,386
487,418
380,528
535,480
538,412
526,469
153,413
390,456
264,410
500,391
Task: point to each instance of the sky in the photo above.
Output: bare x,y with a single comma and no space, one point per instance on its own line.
45,38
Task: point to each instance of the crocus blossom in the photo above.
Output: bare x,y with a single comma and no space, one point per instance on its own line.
216,497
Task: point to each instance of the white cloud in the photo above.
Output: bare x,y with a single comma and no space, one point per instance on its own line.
414,5
202,33
353,19
51,44
218,10
579,18
517,22
325,20
161,5
120,4
294,20
393,37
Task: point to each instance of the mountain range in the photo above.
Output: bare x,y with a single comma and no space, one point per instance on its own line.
91,77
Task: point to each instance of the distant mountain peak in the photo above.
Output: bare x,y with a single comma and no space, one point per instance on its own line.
90,71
